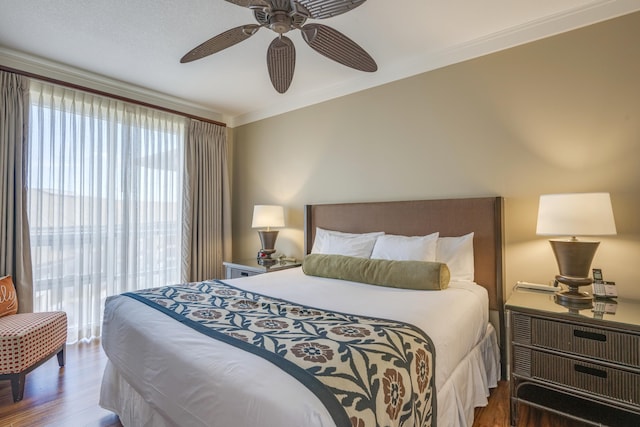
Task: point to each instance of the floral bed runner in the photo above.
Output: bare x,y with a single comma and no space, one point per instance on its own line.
367,372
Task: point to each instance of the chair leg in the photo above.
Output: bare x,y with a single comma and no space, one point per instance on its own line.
17,386
62,356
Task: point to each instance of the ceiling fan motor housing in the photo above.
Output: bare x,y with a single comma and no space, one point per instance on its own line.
280,22
281,17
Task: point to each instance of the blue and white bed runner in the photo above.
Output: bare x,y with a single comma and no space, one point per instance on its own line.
366,371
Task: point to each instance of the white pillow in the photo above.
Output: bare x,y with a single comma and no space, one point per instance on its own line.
349,244
457,253
405,248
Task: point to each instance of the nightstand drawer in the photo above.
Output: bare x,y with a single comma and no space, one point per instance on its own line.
596,343
593,378
234,273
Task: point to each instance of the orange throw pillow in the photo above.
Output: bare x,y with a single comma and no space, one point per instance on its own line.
8,297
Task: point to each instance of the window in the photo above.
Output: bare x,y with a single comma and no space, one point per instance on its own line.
104,201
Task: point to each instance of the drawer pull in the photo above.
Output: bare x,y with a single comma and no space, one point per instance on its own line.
244,273
589,335
590,371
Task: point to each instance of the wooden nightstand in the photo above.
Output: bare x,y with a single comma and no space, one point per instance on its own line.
251,267
584,364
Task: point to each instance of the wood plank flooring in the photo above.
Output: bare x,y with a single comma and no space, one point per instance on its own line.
61,397
68,397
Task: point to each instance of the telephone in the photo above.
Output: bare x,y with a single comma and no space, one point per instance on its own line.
601,288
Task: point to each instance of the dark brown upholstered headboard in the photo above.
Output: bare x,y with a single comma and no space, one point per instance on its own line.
451,217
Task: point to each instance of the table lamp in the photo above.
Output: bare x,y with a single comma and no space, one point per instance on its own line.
575,214
267,216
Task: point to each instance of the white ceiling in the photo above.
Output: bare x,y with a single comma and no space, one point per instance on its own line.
140,42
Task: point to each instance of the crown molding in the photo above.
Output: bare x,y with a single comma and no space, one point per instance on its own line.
588,14
50,69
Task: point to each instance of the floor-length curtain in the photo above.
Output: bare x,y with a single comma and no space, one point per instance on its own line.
105,201
207,202
15,255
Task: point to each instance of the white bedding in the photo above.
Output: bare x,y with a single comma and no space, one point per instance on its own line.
164,373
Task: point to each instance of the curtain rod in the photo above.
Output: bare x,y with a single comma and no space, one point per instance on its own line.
110,95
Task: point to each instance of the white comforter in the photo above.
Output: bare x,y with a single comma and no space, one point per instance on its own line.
192,380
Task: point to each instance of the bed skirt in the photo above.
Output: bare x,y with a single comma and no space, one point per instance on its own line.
467,388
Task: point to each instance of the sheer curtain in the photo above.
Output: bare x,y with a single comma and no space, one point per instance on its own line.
105,190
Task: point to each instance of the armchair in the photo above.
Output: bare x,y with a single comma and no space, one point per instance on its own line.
27,340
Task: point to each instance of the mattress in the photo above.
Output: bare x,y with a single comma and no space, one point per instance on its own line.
161,372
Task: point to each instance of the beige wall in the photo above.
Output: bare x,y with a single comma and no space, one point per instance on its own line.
557,115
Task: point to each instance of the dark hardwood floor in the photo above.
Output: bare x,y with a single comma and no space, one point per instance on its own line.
496,413
56,397
68,397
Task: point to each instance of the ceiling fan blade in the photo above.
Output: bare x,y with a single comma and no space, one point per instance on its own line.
281,62
320,9
335,45
249,3
220,42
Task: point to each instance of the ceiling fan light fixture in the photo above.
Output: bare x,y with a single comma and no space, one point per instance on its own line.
282,16
280,22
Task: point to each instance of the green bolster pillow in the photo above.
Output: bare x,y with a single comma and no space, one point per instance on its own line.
420,275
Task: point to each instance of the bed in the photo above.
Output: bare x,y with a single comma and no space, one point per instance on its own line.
161,372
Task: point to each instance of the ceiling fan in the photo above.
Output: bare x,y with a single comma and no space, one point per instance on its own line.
283,16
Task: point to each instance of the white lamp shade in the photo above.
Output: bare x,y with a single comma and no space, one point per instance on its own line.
267,216
575,214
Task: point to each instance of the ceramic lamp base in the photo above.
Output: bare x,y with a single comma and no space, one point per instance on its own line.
268,241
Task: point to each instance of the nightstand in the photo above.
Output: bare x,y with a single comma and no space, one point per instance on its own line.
582,364
251,267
